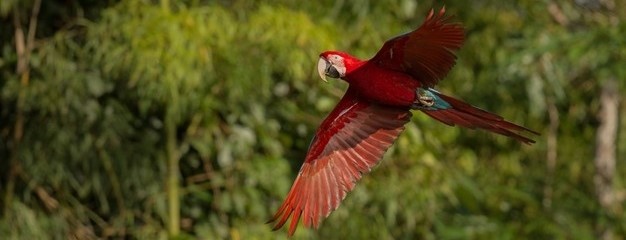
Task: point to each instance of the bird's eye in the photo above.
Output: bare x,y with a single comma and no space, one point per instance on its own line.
336,60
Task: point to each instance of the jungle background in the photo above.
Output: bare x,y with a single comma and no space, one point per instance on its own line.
149,119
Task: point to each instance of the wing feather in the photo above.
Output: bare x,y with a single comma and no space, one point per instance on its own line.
349,142
427,53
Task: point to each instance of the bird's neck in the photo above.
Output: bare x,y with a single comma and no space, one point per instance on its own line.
352,64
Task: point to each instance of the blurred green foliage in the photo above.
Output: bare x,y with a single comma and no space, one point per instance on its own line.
231,85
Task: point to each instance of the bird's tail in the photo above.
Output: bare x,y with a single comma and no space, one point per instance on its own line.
452,111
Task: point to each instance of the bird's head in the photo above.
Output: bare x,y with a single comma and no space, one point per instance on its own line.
335,64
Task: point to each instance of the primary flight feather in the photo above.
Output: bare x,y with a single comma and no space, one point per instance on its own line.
381,94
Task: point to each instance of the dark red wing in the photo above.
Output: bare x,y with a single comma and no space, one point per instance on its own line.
427,53
350,141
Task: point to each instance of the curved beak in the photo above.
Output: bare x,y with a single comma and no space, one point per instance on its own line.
322,66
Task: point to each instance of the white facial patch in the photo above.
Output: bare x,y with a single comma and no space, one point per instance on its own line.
337,62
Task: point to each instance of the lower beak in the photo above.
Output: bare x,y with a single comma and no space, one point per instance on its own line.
322,64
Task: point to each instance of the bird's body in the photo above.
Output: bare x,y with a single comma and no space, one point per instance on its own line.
373,112
379,85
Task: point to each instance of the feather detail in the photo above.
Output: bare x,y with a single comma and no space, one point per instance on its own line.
465,115
428,53
350,141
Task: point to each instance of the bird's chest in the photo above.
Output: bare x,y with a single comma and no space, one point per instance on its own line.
384,86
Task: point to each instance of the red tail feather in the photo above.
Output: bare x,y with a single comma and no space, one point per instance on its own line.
466,115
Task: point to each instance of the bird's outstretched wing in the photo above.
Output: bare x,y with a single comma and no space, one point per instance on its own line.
427,53
349,142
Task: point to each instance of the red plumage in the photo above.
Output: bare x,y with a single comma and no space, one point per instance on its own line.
370,116
350,141
466,115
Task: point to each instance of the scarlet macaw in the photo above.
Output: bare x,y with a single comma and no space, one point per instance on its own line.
373,112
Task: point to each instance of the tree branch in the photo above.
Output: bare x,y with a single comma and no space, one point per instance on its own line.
605,153
23,49
605,144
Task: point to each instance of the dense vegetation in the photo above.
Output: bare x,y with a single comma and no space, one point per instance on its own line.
189,119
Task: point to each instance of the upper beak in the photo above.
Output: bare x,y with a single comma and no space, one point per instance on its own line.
322,65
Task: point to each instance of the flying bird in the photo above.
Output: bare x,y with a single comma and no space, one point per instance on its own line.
369,117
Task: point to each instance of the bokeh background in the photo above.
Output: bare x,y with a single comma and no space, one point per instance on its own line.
148,119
